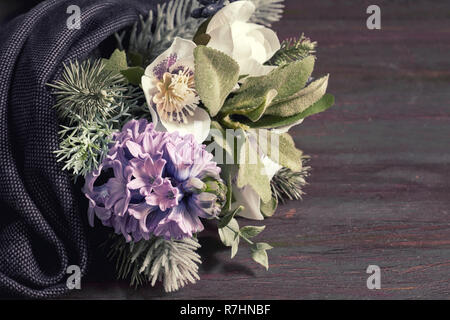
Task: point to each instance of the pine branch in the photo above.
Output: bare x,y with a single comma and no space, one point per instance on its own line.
86,91
153,35
267,11
292,50
288,184
175,263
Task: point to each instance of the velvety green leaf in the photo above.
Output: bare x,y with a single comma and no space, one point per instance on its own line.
227,235
117,62
286,81
276,121
251,231
133,75
252,172
269,208
288,155
300,101
216,74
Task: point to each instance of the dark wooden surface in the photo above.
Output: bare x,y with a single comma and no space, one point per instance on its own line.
379,192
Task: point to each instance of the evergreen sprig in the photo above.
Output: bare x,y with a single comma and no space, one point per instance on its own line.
155,34
86,91
267,11
174,262
292,50
288,185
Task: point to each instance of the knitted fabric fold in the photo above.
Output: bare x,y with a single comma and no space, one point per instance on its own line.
42,228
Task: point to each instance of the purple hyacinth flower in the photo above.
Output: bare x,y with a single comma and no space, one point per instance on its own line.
147,174
165,196
161,184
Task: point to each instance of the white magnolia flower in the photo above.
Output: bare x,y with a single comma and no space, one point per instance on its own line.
251,45
169,89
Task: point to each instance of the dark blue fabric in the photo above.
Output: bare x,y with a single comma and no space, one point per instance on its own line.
42,228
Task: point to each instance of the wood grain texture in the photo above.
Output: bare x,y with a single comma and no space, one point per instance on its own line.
379,191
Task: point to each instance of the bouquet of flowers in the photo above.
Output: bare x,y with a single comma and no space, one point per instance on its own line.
186,121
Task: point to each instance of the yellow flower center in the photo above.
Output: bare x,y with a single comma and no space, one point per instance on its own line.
177,97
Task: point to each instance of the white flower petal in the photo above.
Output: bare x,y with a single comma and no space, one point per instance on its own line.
181,47
235,11
198,124
248,198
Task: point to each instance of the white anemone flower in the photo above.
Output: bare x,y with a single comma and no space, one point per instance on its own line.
250,44
169,89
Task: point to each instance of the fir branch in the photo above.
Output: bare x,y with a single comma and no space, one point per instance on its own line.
292,50
267,11
84,145
287,184
153,35
174,262
86,91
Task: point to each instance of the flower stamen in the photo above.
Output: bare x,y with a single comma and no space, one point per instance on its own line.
177,97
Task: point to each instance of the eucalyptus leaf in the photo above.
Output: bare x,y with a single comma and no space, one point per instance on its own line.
259,254
228,233
269,208
226,219
251,231
216,74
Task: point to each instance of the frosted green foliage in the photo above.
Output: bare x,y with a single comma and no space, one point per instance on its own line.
292,50
173,262
267,11
87,91
84,145
153,35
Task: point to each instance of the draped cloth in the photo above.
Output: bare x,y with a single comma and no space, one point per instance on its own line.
42,224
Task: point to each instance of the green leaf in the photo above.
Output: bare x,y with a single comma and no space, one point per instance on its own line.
219,135
269,208
133,75
136,59
287,154
251,231
300,101
228,233
259,254
117,62
216,74
200,37
252,172
276,121
285,81
234,248
226,219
